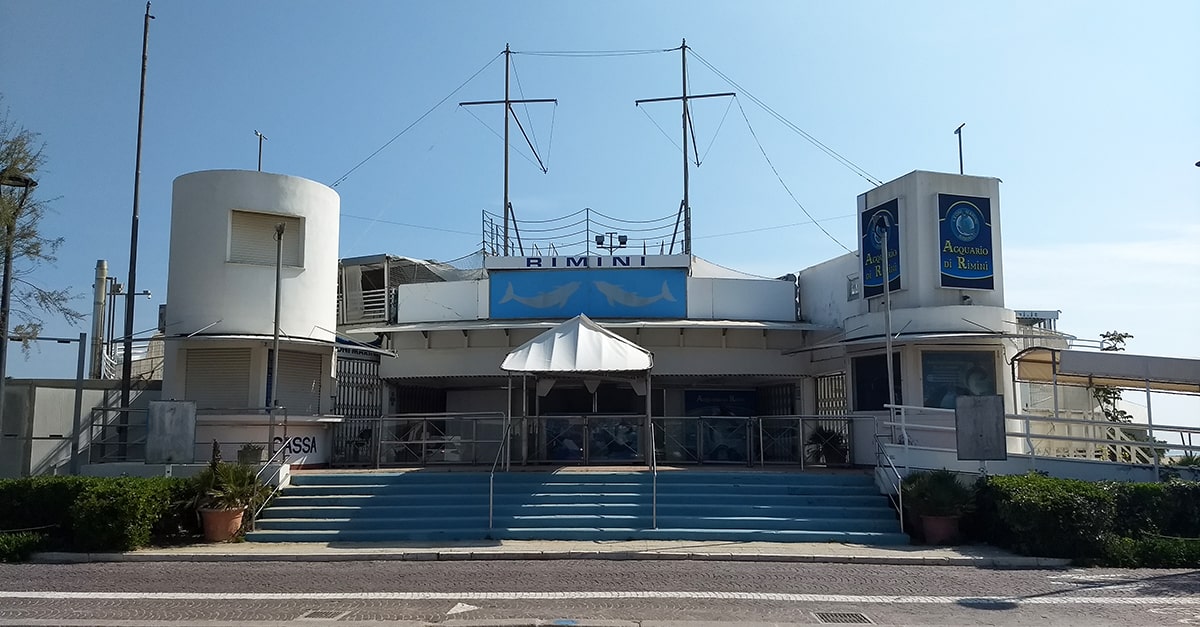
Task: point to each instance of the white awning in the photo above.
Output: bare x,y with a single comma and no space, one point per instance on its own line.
1091,368
578,345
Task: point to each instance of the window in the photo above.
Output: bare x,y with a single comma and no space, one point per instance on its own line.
853,287
252,238
947,375
870,382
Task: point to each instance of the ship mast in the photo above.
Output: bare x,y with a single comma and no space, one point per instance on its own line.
508,102
685,209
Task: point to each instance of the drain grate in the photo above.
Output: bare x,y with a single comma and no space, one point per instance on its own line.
322,615
842,618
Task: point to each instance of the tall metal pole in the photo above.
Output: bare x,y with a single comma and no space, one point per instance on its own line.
77,425
273,399
131,284
687,209
507,104
99,305
26,183
958,131
885,219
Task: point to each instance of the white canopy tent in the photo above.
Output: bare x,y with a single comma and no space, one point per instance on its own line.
581,348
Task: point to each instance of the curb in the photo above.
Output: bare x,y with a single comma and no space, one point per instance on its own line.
1020,562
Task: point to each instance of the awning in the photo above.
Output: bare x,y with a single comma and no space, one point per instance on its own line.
1121,370
484,325
575,346
287,339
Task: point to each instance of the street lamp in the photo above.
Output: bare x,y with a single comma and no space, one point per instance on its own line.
10,177
614,242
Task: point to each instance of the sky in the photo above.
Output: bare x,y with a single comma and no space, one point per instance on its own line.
1089,112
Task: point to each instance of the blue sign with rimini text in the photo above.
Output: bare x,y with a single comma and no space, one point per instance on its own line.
599,293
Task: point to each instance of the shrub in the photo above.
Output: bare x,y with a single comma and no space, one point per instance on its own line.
119,514
42,504
1151,552
17,547
1053,517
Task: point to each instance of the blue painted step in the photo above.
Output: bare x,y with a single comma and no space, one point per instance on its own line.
692,505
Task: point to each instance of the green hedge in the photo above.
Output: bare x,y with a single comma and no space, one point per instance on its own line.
98,514
17,547
1113,523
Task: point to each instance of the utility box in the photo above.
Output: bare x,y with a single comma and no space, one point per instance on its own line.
171,432
979,425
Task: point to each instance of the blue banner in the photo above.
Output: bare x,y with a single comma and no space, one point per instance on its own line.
872,248
965,229
598,293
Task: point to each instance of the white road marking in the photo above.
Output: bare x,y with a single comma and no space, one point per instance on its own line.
584,595
460,608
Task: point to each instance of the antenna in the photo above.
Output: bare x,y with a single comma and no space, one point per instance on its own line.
508,103
958,131
261,137
685,209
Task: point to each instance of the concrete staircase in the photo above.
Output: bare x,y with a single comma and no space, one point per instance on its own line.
424,506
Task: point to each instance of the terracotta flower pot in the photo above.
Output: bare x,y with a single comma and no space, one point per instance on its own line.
940,529
221,525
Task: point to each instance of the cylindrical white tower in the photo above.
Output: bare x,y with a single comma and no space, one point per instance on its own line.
221,274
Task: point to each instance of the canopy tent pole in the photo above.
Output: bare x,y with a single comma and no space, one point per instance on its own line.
506,435
524,419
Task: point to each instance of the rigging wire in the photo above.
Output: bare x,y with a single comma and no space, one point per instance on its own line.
411,226
521,91
718,132
781,181
665,218
660,129
788,123
593,53
771,228
687,117
415,122
498,135
569,215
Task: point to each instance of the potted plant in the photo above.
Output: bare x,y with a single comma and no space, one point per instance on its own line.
224,492
826,445
250,453
940,500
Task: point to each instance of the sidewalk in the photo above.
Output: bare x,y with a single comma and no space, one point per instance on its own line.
828,553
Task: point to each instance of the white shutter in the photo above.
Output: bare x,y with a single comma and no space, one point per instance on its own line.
252,238
218,377
300,382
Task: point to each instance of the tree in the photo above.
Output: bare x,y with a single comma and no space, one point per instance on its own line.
1107,396
21,154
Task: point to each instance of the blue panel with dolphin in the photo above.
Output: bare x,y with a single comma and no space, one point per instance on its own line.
599,293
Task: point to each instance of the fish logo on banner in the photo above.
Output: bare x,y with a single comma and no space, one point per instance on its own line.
965,242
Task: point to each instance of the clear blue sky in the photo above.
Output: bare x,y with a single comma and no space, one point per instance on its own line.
1088,111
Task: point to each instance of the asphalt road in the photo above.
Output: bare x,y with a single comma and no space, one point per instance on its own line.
587,591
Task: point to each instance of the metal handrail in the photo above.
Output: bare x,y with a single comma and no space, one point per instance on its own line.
654,482
278,486
880,450
504,442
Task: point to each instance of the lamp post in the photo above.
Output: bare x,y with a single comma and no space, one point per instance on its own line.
273,392
883,226
9,177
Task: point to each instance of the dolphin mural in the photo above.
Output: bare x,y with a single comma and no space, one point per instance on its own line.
616,295
556,297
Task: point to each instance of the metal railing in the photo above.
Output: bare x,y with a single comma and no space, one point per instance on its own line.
374,307
429,439
654,480
881,454
504,443
1119,444
278,485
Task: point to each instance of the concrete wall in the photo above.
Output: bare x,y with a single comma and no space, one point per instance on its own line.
741,299
920,246
39,419
207,292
